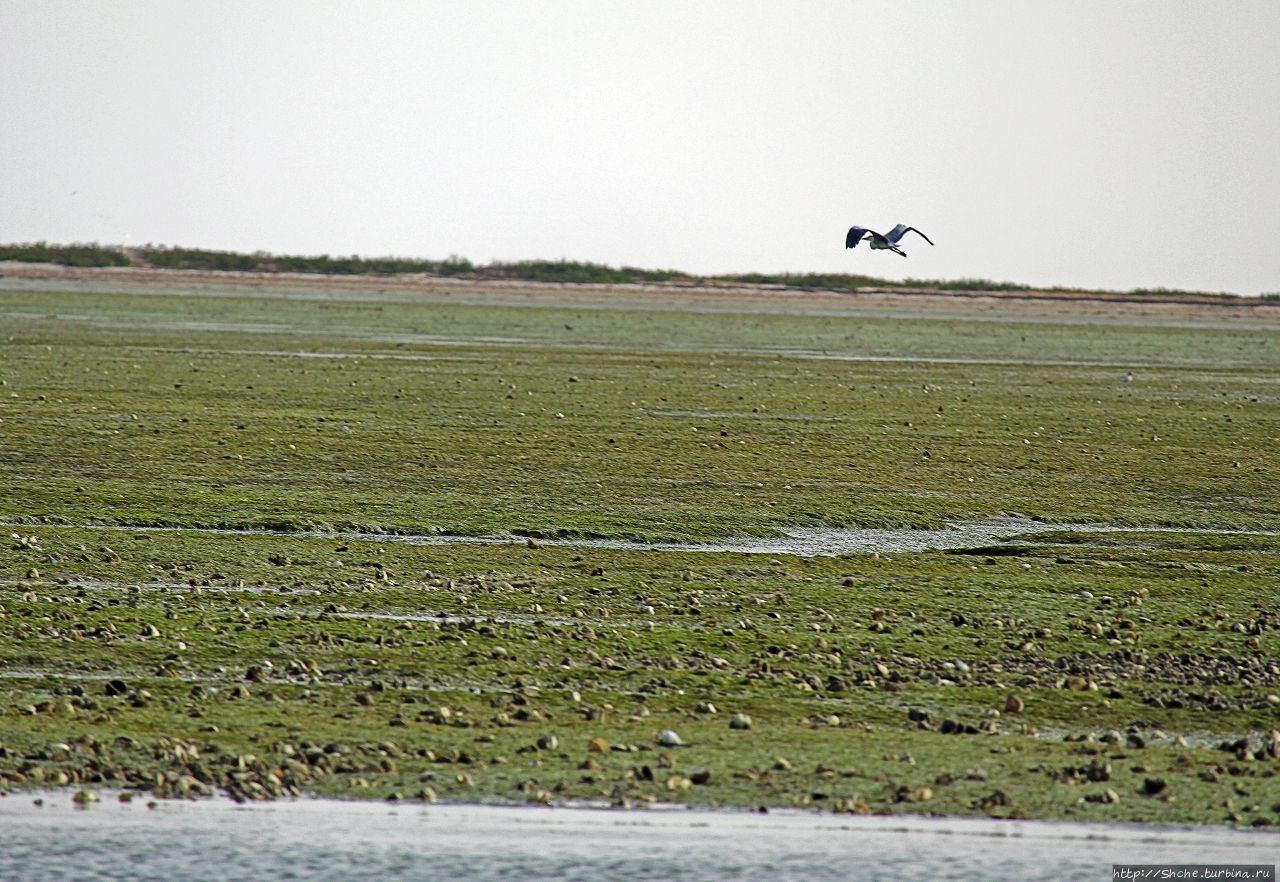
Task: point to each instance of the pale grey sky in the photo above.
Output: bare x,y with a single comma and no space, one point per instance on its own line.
1109,143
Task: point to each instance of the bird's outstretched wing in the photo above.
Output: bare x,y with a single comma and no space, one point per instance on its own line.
895,235
855,235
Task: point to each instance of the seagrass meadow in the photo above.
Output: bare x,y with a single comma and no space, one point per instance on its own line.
447,539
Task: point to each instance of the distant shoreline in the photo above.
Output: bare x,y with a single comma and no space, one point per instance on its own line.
714,286
92,255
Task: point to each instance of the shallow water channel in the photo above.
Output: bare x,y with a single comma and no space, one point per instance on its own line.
330,840
801,541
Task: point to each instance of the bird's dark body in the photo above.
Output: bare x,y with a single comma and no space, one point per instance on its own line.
882,241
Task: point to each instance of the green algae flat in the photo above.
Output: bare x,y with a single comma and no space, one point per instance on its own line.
1142,663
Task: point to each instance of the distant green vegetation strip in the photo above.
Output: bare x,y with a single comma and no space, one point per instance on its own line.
66,255
561,271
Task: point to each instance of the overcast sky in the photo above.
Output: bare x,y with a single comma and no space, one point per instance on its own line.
1097,143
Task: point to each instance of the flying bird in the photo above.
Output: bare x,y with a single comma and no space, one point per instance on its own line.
882,242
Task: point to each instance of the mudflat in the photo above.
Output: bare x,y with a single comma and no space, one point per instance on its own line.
207,481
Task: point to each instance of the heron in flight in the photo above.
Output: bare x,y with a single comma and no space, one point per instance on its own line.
882,242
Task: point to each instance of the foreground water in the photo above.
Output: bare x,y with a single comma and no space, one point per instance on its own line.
329,840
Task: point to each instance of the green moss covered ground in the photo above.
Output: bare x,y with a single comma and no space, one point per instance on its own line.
1107,676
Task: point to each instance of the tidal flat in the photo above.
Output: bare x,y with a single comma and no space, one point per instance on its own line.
206,483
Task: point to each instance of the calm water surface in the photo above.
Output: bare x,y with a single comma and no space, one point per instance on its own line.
328,840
